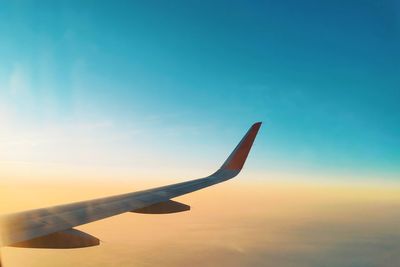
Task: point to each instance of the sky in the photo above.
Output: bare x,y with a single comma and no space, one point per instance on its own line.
133,84
104,97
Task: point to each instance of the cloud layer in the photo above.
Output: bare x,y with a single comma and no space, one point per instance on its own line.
240,224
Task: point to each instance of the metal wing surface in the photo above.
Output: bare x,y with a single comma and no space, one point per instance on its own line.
28,225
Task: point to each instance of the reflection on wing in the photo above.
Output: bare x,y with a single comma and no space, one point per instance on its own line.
28,225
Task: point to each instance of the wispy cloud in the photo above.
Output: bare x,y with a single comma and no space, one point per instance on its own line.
19,81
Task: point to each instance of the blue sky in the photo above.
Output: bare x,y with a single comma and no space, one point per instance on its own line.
115,83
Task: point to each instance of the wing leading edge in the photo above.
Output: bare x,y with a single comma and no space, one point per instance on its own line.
27,225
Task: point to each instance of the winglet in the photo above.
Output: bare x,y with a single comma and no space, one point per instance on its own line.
238,157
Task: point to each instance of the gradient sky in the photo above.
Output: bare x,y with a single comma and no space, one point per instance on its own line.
173,85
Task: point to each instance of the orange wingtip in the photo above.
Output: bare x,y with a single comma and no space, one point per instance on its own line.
238,157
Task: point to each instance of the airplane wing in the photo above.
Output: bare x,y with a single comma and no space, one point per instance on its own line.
53,227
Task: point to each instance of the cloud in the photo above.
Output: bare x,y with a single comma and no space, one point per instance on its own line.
19,81
5,114
234,224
